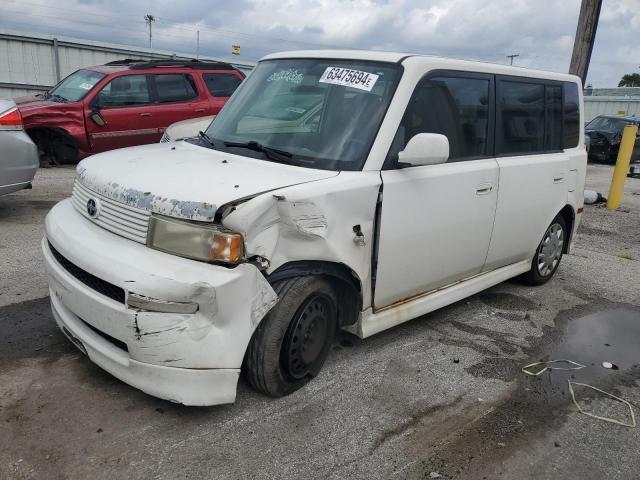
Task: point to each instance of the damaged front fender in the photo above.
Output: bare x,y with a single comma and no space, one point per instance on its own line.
331,220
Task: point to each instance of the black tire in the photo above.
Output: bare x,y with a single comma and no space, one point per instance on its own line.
542,271
292,342
55,149
63,152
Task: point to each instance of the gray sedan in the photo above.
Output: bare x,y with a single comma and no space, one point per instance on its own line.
18,154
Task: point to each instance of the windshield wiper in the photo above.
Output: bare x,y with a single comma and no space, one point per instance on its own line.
274,154
206,138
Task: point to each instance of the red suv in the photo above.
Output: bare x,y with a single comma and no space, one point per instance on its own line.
123,103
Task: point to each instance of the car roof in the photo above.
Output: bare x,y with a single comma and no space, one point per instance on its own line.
621,117
399,57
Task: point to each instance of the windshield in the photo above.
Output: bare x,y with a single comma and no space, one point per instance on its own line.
317,113
75,86
606,124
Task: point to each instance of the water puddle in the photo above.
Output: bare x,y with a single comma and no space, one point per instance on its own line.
590,334
610,336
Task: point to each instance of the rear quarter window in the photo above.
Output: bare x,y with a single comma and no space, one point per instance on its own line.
571,116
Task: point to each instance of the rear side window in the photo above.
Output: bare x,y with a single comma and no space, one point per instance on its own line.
457,107
571,117
127,90
521,117
175,88
221,84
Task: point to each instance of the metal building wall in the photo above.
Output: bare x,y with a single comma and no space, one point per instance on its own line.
31,63
596,105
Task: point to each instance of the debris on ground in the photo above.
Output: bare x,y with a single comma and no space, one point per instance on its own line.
605,419
435,475
610,365
591,197
551,365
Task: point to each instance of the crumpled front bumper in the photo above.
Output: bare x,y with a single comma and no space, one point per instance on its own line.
190,358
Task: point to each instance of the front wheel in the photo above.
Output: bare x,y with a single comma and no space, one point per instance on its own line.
292,342
549,253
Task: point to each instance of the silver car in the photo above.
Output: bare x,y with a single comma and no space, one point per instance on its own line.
18,154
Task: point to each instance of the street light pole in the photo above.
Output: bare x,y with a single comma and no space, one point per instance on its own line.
149,19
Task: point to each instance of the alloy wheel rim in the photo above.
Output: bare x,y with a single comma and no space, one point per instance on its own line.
550,250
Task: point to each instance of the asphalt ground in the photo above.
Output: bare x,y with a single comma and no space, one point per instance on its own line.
442,396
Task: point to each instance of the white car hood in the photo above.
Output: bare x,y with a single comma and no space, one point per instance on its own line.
184,180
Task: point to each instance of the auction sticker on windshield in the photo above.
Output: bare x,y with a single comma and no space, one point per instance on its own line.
349,78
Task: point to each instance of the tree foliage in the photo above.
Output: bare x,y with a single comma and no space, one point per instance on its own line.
630,80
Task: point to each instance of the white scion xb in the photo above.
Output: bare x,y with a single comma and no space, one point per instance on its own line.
336,189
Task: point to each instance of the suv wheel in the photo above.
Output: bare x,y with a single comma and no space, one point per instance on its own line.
549,253
55,149
292,342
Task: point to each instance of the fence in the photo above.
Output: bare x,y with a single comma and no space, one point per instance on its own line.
31,63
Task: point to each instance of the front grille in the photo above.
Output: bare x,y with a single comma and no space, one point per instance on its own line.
119,218
105,288
165,138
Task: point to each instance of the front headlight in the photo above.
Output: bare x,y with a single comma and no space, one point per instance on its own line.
205,242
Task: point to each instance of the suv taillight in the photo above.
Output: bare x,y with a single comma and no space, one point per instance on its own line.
11,120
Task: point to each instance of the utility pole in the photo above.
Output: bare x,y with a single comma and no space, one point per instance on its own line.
198,46
585,37
149,19
511,57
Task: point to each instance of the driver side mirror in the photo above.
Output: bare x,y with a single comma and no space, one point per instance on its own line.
97,117
425,149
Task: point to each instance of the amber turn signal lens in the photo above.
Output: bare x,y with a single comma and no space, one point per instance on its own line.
226,246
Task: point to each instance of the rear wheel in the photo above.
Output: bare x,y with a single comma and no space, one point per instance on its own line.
549,253
291,343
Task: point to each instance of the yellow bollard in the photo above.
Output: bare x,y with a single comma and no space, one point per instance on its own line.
622,166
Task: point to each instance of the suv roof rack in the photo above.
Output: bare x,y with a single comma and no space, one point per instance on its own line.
192,63
124,61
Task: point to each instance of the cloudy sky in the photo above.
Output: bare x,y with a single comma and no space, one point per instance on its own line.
540,31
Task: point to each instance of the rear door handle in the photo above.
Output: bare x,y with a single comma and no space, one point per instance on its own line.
558,179
146,114
484,189
199,110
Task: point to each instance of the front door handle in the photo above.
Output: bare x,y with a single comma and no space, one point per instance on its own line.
558,179
484,189
146,114
199,110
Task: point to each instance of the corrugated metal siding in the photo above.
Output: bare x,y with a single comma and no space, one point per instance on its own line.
29,59
594,106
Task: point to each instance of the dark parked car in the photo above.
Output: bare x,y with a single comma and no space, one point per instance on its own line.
123,103
605,134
